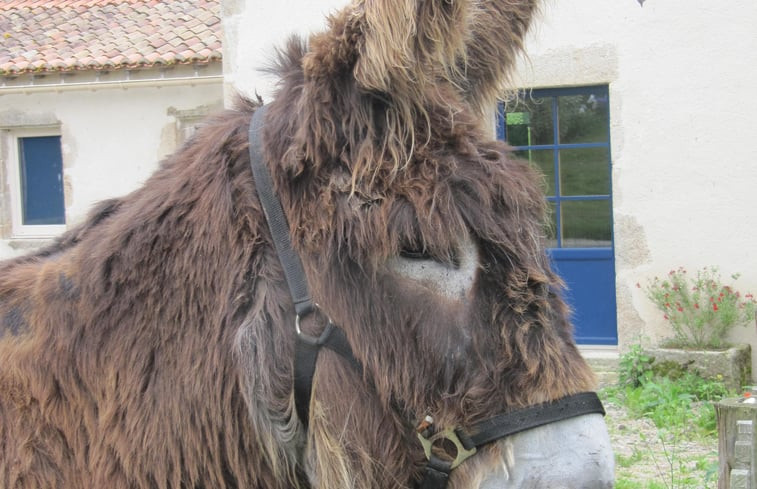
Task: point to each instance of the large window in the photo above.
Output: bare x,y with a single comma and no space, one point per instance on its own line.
36,171
566,134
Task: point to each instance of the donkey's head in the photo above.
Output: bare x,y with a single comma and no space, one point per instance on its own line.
423,241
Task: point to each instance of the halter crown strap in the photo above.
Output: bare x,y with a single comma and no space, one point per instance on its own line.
277,223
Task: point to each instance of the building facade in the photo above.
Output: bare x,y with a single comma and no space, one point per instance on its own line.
93,94
677,79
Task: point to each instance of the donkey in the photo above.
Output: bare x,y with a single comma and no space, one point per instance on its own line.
158,343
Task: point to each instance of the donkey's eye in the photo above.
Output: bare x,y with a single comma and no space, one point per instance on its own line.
416,254
450,259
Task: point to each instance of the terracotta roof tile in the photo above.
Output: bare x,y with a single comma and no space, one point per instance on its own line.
66,35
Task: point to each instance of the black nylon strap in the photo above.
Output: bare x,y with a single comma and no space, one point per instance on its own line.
436,474
277,223
337,342
531,417
306,355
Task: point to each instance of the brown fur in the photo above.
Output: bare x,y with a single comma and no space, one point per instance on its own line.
152,346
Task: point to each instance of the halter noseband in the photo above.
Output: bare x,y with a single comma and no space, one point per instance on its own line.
466,442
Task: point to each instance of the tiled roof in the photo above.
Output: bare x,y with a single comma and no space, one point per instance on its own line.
67,35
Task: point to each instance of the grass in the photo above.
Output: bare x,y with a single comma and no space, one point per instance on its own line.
682,454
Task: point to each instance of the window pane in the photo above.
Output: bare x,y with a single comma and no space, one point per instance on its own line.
529,122
585,171
41,170
586,224
551,226
544,161
583,118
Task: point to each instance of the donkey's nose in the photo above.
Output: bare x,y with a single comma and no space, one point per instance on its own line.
570,454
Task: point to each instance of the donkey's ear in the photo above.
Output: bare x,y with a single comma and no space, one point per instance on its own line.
408,43
393,46
496,32
402,46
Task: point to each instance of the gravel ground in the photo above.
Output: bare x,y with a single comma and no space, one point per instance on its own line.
647,460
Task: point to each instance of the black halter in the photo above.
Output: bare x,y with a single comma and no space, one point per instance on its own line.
466,442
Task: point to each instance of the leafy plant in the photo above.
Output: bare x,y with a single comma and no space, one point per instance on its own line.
700,309
634,366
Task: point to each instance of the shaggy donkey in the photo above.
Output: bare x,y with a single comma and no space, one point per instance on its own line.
153,345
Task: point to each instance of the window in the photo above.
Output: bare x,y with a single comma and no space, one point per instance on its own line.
565,133
36,171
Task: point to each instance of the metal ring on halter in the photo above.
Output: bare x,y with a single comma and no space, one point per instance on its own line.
312,339
307,313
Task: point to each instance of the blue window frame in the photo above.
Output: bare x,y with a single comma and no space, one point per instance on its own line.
41,181
566,134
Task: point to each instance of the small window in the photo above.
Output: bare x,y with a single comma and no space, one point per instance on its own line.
565,133
37,193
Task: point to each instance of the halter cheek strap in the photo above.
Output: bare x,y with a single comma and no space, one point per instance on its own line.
466,442
306,347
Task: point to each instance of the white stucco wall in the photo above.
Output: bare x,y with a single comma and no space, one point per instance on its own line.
112,139
254,29
681,75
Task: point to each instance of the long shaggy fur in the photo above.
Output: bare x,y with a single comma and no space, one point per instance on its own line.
152,346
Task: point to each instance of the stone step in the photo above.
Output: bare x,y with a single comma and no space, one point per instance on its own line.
604,361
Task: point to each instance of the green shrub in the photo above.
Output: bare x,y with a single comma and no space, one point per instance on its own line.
673,398
700,309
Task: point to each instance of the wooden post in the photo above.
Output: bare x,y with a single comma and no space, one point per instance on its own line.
737,420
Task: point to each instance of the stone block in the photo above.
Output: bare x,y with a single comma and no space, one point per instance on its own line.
733,365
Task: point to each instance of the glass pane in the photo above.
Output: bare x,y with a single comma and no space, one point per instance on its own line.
585,171
529,121
586,224
41,169
550,228
544,161
583,118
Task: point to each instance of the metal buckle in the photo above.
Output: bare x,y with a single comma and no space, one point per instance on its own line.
449,434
